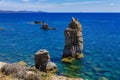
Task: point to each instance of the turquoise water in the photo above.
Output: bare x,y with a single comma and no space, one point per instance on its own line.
20,39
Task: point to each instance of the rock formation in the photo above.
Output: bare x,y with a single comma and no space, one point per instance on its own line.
42,61
73,42
1,28
22,63
37,22
2,64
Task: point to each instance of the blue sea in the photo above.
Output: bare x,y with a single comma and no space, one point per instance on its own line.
20,39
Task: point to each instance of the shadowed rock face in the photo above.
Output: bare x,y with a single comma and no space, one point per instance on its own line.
73,41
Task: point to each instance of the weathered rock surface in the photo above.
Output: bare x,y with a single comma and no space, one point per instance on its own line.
41,58
51,67
13,68
42,61
73,42
2,64
22,63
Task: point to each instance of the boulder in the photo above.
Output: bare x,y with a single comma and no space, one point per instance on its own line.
73,42
2,64
41,59
51,67
43,63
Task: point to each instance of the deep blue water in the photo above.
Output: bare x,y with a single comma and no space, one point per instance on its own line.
20,39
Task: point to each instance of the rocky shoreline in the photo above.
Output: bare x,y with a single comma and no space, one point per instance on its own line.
20,71
44,69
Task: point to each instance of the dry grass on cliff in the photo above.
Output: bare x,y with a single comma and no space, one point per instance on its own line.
4,77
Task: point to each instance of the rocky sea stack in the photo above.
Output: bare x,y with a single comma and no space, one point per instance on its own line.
73,42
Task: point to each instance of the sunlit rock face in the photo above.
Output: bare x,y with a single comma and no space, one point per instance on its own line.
43,63
41,58
73,42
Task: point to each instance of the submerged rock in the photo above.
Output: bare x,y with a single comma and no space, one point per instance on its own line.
102,78
73,42
43,63
37,22
49,28
1,28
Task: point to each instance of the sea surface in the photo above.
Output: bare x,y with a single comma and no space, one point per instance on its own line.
20,39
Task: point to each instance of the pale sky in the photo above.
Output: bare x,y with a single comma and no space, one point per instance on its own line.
62,5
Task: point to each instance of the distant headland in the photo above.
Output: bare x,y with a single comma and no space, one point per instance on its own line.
23,11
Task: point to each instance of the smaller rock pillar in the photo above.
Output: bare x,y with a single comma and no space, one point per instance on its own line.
42,61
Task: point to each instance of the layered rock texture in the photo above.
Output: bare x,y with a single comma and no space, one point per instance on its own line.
73,42
43,63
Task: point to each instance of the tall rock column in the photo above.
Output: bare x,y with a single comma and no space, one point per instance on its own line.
73,42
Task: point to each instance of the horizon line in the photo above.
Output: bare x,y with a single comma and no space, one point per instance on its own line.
40,11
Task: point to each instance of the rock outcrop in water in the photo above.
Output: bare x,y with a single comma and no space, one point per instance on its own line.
44,25
37,22
73,42
43,63
1,28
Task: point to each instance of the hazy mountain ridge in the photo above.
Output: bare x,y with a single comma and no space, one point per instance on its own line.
24,11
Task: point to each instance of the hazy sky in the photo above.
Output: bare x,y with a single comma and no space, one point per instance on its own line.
62,5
